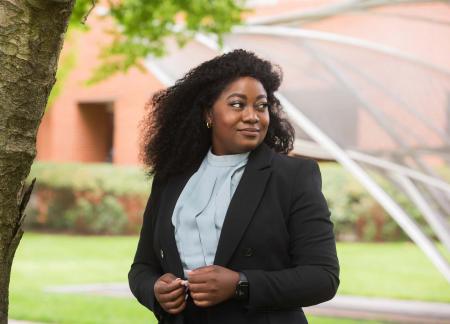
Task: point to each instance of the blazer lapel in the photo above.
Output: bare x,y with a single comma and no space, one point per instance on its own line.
244,202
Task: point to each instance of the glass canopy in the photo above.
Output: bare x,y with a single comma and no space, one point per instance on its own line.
384,114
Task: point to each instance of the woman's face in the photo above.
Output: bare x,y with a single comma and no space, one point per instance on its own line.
239,117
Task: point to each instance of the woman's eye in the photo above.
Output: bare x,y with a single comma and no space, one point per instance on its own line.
236,104
263,106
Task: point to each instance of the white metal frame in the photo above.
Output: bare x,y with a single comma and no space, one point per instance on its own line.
399,169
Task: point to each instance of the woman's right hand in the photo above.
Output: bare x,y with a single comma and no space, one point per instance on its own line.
170,293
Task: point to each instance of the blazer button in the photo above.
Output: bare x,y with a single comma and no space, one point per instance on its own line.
248,252
162,254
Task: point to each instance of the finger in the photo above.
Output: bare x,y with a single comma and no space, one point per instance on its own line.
198,287
165,288
198,278
200,296
175,283
203,303
177,310
168,277
166,280
175,303
173,295
204,269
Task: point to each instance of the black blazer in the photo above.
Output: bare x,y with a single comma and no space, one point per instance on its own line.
277,230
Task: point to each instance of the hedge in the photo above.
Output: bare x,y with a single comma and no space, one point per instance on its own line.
94,198
101,198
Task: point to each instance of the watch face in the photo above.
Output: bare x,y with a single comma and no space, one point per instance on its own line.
243,284
242,290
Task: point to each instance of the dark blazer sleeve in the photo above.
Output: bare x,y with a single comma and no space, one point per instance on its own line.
145,269
314,276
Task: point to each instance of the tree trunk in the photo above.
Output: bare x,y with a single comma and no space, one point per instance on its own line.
31,37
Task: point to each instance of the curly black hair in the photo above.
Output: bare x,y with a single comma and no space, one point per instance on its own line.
174,136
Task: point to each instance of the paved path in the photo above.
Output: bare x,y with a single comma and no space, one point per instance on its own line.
396,311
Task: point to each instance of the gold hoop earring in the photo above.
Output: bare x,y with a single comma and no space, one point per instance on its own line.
208,124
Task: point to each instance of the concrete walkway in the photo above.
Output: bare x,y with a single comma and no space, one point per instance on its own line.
392,310
398,311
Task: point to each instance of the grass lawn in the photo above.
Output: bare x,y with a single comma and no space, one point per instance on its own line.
394,270
387,270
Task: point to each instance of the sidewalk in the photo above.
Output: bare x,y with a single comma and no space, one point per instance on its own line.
356,307
398,311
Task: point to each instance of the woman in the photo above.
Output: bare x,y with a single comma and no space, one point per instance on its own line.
235,230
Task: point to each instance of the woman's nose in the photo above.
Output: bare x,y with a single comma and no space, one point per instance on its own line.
250,114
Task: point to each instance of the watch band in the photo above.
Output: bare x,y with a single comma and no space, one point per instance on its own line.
242,288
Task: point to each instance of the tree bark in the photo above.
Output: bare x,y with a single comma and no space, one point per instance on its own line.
31,37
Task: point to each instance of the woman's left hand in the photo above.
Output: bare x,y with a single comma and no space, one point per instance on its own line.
212,284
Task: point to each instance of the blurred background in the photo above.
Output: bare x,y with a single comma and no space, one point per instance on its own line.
367,87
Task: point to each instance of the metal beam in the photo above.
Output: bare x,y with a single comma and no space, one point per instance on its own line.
337,39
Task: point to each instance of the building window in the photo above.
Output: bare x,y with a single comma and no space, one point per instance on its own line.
96,136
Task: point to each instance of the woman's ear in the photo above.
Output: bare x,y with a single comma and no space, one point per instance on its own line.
207,115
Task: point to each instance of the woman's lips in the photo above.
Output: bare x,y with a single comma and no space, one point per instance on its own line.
249,131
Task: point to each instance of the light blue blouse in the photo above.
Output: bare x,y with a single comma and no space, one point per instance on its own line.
201,207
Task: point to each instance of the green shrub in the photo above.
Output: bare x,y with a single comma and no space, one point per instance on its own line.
105,217
96,177
87,198
357,215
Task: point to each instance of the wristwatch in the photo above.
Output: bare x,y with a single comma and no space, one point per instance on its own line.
242,288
